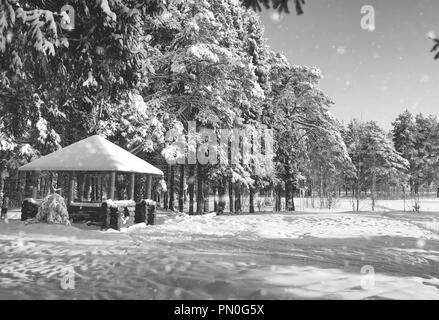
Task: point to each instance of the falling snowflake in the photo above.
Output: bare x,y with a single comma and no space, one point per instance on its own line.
371,28
341,50
420,243
384,88
425,78
276,16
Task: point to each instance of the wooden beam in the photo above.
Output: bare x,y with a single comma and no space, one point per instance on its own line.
131,186
21,186
82,187
100,188
149,186
34,191
112,185
34,179
70,193
89,186
95,188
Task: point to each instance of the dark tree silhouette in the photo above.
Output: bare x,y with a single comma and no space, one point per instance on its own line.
281,5
435,48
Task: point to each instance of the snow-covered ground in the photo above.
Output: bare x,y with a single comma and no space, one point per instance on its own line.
261,256
348,204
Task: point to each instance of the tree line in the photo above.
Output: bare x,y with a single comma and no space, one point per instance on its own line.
134,71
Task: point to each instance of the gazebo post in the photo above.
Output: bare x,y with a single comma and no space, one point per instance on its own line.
71,187
100,187
82,186
131,186
95,188
112,185
34,180
148,186
21,186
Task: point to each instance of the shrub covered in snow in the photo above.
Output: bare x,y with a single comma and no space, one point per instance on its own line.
53,210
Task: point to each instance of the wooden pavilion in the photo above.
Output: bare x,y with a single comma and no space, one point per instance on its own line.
101,161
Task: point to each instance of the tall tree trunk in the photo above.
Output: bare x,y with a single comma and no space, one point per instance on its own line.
373,191
205,191
165,200
293,191
200,180
358,198
191,188
417,205
2,182
215,199
238,198
171,188
181,189
287,195
252,200
403,195
165,194
231,196
278,198
222,196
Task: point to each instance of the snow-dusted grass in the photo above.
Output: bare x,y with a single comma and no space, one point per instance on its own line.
288,256
347,204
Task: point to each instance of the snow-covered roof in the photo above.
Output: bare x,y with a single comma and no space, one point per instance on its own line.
92,154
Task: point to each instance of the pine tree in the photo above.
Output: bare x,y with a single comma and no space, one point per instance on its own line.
375,159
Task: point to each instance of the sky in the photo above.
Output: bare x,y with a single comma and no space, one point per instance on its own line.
371,74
